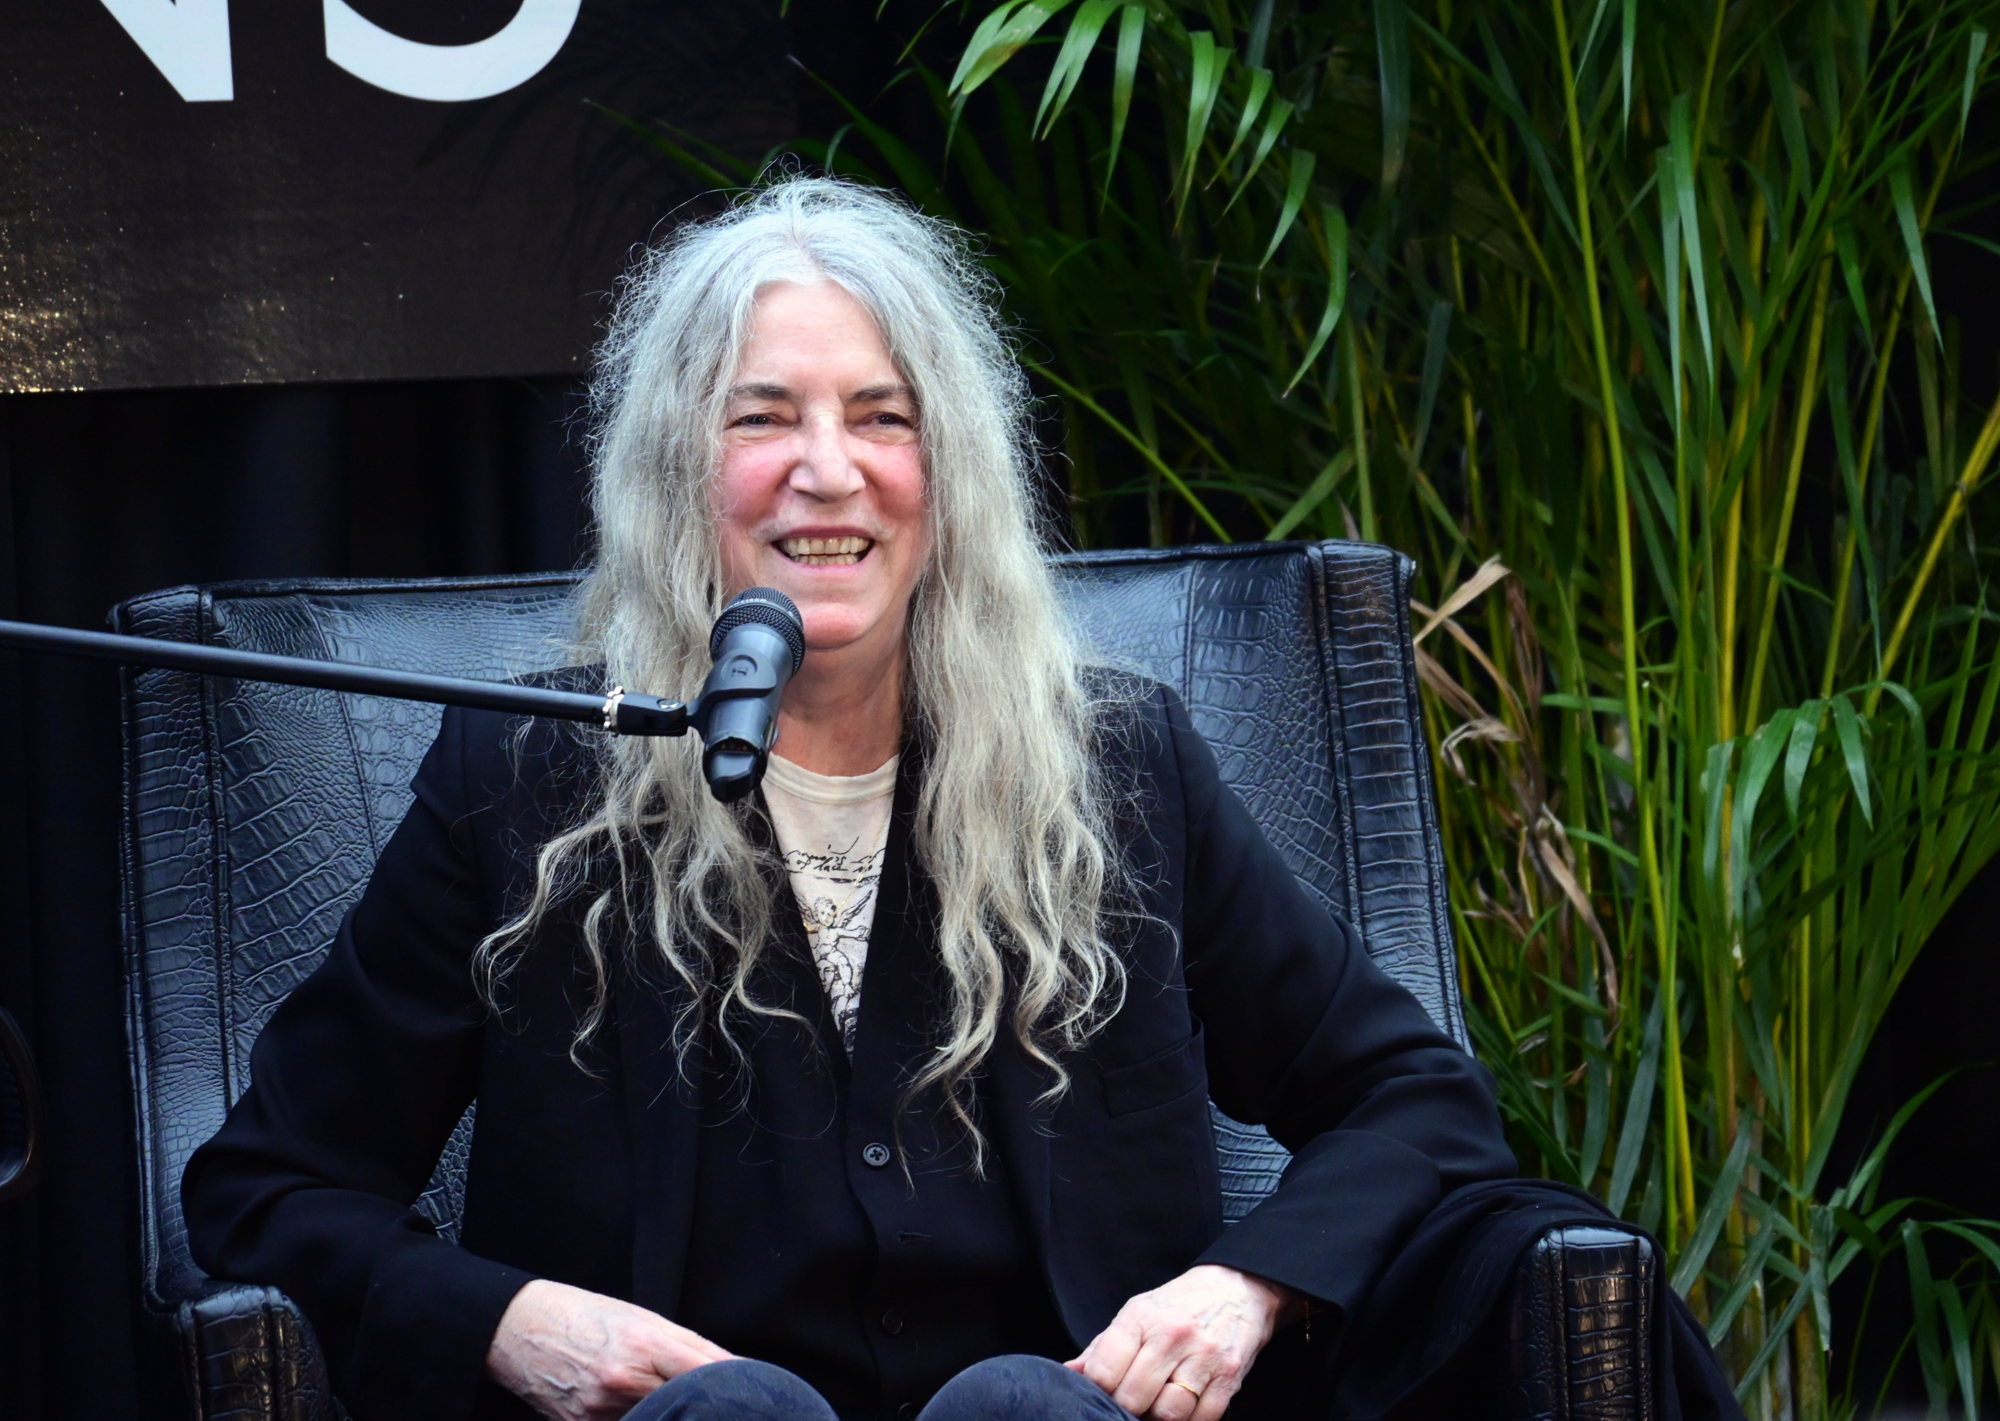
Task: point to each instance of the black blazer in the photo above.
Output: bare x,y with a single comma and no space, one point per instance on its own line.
1241,988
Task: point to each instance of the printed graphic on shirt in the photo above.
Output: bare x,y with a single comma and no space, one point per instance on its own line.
833,832
836,891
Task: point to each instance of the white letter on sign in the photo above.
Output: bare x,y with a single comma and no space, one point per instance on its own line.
187,41
447,73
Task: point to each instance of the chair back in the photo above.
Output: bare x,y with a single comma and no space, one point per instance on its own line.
254,812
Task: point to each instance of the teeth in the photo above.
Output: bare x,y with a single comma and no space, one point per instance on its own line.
825,552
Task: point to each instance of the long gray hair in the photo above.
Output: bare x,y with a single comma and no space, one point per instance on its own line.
1012,826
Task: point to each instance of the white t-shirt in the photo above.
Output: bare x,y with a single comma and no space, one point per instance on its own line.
833,831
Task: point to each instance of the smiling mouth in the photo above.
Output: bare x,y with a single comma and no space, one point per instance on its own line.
825,552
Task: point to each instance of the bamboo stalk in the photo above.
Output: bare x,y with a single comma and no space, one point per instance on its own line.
1968,481
1865,458
1629,625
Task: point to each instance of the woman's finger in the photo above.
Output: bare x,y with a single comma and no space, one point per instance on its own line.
1163,1352
1178,1400
1215,1398
1109,1356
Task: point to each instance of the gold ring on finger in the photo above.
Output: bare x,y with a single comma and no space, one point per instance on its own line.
1174,1381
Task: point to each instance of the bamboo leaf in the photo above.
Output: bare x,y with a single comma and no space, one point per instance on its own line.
667,142
1850,270
1683,182
1714,791
1295,198
1274,124
1499,86
1751,1376
1798,755
1315,494
1960,1334
1861,1184
1124,69
1913,240
1985,1245
911,171
1336,288
1253,105
1462,596
998,39
1392,53
1819,1219
1715,1212
1848,726
1785,99
1758,762
1746,1280
1084,29
1974,52
1628,34
1638,1112
1924,1304
1670,257
1437,346
1207,65
1590,35
1260,34
982,40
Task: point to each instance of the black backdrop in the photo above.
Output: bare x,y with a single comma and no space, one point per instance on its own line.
107,495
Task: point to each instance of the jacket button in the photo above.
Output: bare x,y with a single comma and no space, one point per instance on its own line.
875,1155
892,1322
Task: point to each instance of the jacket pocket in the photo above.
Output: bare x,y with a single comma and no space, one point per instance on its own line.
1160,1079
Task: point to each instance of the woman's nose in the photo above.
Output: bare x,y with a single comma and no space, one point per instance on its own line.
826,469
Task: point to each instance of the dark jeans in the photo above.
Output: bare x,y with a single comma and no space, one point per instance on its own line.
1014,1388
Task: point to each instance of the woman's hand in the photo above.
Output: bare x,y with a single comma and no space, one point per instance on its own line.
1180,1352
580,1356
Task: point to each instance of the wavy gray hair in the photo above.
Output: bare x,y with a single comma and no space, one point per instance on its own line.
1012,825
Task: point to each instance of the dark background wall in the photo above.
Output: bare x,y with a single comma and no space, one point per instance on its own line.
107,495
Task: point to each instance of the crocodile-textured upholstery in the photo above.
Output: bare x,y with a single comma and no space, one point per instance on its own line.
20,1113
1580,1327
250,1356
254,813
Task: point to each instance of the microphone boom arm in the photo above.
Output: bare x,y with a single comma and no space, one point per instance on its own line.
620,712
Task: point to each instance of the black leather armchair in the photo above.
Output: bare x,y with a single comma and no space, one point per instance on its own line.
254,813
20,1113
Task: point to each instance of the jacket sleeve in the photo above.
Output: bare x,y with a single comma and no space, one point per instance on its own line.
356,1084
1384,1113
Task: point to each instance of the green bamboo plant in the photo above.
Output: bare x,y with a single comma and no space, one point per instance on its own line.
1620,317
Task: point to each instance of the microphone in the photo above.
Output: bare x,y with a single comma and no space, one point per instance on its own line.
758,642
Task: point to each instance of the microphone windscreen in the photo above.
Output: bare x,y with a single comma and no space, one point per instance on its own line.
768,606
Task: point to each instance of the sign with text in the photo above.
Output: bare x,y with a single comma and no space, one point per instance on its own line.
195,193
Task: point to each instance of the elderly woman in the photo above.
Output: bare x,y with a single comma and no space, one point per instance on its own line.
884,1091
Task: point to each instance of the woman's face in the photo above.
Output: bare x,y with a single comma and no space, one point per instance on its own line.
821,492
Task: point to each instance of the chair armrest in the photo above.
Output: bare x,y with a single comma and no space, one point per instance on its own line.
250,1355
1580,1329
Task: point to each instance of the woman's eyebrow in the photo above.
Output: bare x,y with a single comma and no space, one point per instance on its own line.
880,392
759,391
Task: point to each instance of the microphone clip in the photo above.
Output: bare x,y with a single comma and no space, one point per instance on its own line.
626,714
